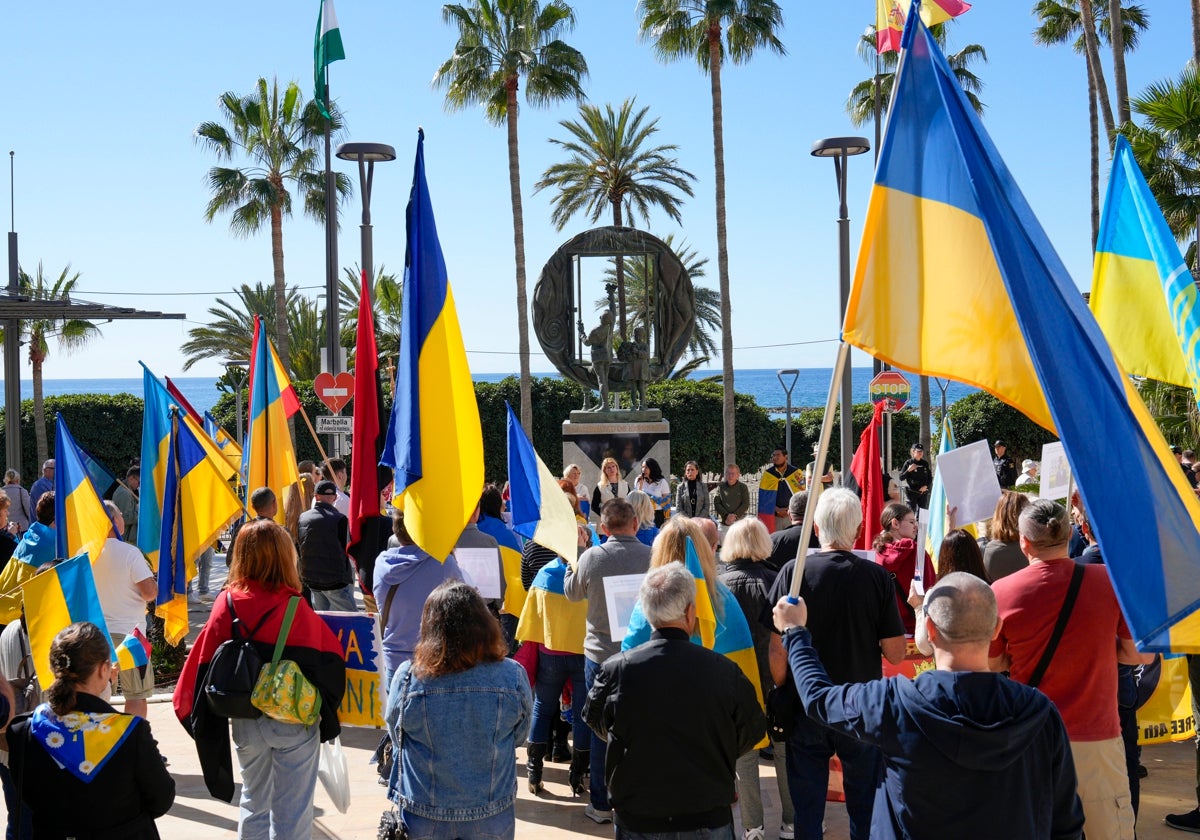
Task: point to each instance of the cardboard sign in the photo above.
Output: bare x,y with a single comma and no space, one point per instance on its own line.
366,695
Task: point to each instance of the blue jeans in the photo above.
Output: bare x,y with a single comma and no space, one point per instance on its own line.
599,796
335,600
204,571
502,826
10,805
553,672
279,777
725,832
808,753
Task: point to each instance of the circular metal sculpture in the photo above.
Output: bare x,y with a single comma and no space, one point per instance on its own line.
580,338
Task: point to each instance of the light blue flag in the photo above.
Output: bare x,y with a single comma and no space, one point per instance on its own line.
939,522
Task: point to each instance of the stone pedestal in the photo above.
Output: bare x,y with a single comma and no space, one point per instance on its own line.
628,436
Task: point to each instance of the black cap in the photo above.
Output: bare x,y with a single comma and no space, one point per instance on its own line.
326,488
917,446
999,442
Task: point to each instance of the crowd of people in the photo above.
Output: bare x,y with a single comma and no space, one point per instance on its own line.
1022,724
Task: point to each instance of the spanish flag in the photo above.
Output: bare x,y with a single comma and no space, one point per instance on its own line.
548,618
434,443
269,454
890,16
80,520
957,279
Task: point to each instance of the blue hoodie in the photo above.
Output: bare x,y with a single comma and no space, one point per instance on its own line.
415,573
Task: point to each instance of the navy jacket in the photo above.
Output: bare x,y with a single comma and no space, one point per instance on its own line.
966,754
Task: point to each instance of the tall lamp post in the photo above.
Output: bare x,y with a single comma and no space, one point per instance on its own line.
787,389
840,149
367,155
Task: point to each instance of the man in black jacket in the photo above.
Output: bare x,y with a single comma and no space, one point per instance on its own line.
324,565
670,766
1003,464
916,476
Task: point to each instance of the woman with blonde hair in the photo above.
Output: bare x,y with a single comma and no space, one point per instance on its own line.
297,498
747,544
609,485
572,473
278,760
643,509
1002,554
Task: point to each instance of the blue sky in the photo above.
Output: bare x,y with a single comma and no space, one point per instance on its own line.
102,101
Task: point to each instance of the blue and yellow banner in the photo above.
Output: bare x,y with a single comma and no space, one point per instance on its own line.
81,523
956,278
156,434
540,509
548,618
55,599
366,695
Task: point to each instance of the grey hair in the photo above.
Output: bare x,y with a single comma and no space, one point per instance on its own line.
110,507
1044,524
963,608
838,517
797,505
12,476
666,593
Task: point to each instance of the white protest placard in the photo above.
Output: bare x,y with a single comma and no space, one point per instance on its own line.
621,594
481,569
970,481
922,534
1055,472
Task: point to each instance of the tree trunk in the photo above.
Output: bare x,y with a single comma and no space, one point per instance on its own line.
924,409
620,267
514,188
729,432
1196,31
1117,39
1094,144
1092,50
282,342
39,407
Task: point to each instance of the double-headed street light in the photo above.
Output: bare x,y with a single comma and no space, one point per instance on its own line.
840,149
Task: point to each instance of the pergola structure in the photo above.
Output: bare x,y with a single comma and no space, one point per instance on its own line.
15,308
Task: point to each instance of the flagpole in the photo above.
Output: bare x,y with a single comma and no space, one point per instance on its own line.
332,328
313,432
814,491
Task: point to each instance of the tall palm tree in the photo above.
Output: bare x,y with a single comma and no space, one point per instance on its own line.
229,333
711,31
72,334
1167,147
1196,31
609,170
276,132
860,106
1116,31
1091,43
387,297
306,325
1061,23
501,42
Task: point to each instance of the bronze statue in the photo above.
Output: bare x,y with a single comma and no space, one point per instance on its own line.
601,341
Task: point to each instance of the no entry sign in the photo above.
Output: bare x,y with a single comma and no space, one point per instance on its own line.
890,385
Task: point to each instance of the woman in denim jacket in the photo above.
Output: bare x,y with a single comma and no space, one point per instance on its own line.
456,713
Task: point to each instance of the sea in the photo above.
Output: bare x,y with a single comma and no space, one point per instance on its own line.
810,389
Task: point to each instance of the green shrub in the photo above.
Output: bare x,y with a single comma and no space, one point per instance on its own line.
806,429
694,412
981,416
108,426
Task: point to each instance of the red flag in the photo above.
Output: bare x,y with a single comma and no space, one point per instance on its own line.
369,530
867,472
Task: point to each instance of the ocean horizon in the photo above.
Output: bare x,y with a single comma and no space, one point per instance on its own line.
810,390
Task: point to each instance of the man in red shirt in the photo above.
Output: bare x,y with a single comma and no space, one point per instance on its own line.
1081,677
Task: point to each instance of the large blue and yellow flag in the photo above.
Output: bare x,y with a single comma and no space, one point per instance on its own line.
1142,293
226,444
55,599
956,278
197,506
548,618
156,432
81,523
510,560
269,454
434,443
540,510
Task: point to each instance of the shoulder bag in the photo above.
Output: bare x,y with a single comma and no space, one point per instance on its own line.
282,692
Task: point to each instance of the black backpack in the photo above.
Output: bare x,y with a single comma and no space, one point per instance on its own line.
234,671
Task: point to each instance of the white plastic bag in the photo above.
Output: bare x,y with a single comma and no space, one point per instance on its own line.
334,774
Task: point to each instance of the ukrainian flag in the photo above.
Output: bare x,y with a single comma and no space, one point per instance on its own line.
270,455
134,652
956,278
156,432
199,504
548,618
434,442
55,599
510,559
540,509
226,445
81,523
1143,295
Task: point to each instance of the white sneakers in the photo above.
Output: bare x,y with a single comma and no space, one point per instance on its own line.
753,834
787,832
597,815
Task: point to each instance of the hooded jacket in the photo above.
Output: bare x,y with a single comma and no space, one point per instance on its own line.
415,573
974,754
900,558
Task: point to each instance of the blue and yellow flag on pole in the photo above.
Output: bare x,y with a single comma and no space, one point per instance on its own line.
81,523
434,443
156,432
56,599
269,454
228,448
1142,293
956,278
198,504
540,509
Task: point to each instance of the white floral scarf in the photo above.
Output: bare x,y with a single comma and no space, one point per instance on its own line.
80,742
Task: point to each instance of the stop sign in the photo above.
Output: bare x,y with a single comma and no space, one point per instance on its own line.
890,385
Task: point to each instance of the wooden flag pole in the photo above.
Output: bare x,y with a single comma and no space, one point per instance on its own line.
313,432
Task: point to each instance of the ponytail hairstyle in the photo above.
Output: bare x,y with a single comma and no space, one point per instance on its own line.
75,654
891,512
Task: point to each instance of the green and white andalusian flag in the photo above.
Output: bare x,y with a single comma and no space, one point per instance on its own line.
327,49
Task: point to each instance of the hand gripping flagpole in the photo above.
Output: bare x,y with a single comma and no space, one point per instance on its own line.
814,491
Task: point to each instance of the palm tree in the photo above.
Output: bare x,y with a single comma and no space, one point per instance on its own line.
1196,31
1167,147
72,334
1061,23
277,134
1116,39
387,298
711,31
1091,43
499,43
860,106
228,335
609,170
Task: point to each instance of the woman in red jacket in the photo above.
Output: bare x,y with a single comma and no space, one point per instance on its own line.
896,550
278,760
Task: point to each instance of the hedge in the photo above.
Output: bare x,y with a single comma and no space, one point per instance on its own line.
108,426
981,416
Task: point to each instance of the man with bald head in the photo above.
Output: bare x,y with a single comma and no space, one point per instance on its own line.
964,749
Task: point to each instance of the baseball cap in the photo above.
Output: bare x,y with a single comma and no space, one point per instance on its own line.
999,442
326,488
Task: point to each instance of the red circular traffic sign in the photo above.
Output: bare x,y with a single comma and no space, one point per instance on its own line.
890,385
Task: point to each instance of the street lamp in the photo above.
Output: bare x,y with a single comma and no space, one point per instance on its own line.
787,389
841,148
367,154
